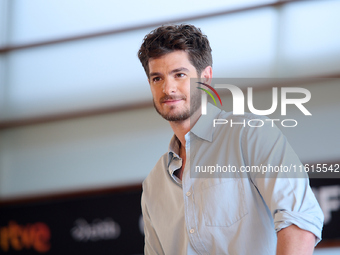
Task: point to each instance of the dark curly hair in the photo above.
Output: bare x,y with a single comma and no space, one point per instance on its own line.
166,39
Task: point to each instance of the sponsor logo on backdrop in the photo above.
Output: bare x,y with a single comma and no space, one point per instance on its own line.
329,200
95,231
18,237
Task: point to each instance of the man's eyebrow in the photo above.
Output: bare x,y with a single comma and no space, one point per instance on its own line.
155,74
177,70
181,69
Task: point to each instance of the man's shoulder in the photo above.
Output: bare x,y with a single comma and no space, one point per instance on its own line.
157,172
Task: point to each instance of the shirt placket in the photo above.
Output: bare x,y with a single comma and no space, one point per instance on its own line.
190,219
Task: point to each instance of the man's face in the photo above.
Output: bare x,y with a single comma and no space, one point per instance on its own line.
169,80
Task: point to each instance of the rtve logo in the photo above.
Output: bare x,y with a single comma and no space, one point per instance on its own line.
238,99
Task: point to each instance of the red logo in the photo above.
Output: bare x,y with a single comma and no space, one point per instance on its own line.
31,236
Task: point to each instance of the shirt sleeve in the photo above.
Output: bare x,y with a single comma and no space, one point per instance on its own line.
285,191
152,244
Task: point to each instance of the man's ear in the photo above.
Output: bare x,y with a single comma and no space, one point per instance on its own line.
206,75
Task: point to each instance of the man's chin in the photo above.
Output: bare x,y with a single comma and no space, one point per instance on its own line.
176,117
174,114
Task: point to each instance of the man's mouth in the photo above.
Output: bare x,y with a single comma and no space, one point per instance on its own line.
171,100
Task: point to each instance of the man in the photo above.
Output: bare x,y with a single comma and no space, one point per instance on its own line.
248,215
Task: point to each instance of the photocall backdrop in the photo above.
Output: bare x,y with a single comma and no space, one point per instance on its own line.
109,223
91,224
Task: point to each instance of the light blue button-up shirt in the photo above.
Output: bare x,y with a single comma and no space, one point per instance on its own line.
226,214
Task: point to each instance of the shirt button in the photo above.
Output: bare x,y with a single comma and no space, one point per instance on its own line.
192,231
188,194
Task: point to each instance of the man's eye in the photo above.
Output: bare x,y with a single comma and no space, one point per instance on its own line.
156,79
180,75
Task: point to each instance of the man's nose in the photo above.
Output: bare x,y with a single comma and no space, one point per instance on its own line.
169,87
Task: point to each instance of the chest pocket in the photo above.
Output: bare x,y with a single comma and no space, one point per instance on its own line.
223,201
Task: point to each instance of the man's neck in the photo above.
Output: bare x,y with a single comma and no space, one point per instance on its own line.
181,128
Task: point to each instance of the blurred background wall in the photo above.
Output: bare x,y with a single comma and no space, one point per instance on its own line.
75,106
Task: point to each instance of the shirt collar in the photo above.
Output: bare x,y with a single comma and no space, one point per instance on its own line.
173,151
204,126
203,129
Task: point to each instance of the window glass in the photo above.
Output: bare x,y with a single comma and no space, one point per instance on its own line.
106,71
37,20
4,22
3,84
311,41
76,75
243,44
